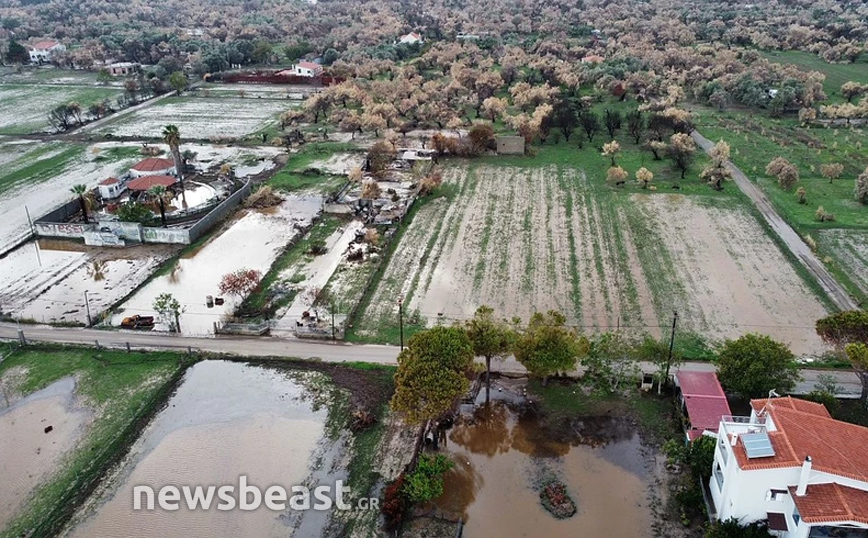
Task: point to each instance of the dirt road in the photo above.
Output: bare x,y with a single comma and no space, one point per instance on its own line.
325,351
788,235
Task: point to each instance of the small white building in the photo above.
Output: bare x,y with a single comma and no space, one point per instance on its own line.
42,51
110,188
411,39
792,464
153,166
123,69
306,69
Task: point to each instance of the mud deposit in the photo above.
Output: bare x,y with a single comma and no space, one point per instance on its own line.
503,459
226,420
29,454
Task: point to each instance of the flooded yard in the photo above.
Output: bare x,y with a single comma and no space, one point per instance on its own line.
504,457
252,241
37,432
226,419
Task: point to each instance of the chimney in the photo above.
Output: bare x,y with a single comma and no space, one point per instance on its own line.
803,477
734,440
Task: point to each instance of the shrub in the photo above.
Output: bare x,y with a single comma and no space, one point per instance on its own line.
394,504
823,216
426,482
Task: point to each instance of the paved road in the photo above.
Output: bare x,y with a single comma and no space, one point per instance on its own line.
326,351
791,239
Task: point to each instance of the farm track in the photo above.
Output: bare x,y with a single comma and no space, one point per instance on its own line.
800,250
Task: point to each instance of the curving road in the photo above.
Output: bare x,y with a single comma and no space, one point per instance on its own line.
325,351
785,232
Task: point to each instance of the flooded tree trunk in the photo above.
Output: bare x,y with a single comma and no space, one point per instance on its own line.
436,435
487,378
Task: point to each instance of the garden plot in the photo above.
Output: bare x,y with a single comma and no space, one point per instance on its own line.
24,108
532,239
198,118
850,250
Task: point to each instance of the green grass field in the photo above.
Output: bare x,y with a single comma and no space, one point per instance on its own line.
293,178
836,74
119,387
40,163
24,108
755,140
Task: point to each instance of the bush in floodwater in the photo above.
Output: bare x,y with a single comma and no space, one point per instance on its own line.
731,528
557,501
426,482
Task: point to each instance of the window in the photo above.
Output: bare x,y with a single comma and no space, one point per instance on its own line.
796,515
718,476
776,495
721,445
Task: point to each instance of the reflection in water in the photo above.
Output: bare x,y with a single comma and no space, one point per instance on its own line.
504,456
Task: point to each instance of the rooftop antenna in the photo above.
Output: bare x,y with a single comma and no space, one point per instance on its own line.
772,393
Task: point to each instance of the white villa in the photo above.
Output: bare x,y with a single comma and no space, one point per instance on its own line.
794,465
411,39
42,51
306,69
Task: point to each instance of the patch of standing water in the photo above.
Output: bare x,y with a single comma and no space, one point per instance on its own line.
227,419
28,453
504,458
253,241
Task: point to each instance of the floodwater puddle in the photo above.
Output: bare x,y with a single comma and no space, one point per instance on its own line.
37,432
227,419
504,458
253,241
46,280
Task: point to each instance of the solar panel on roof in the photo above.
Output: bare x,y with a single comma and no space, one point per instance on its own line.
757,445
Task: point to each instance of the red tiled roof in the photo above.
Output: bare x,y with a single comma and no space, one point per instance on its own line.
806,429
593,59
796,404
146,182
705,400
827,503
109,181
309,65
152,164
44,45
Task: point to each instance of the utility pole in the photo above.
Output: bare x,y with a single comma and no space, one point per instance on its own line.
401,319
87,307
333,322
671,344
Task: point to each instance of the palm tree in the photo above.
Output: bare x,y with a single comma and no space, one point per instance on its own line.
172,137
81,191
159,192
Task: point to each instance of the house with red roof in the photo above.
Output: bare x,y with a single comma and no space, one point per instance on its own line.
42,51
144,183
411,39
306,69
153,166
110,188
703,402
792,464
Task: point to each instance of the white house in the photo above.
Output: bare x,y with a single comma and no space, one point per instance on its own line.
42,51
306,69
110,188
794,465
120,69
411,39
153,166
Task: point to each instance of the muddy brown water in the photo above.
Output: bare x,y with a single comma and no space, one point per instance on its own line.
28,454
503,458
226,419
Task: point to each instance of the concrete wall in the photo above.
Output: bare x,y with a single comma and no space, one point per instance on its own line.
510,145
197,230
166,235
61,229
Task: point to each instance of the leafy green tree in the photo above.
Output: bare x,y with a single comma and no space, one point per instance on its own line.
134,212
590,123
432,374
754,364
700,456
426,481
160,193
547,346
16,53
80,191
330,56
490,338
178,81
103,76
172,137
635,125
169,310
843,330
610,361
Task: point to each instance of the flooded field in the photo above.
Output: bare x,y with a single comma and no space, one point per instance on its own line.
226,420
38,431
252,241
503,458
45,280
